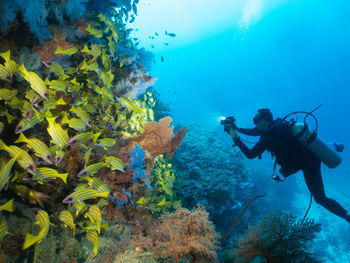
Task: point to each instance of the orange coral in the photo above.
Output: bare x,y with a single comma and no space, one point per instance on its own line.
158,138
47,51
182,234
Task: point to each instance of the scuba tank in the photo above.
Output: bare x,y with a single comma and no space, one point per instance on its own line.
315,144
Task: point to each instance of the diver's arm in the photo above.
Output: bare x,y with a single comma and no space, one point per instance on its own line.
249,132
256,151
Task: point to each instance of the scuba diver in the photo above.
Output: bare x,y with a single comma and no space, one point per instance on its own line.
291,154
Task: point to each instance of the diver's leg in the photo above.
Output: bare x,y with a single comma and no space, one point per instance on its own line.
314,181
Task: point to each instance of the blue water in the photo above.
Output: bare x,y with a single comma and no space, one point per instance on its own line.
295,57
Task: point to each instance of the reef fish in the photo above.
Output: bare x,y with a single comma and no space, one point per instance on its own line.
79,207
91,169
170,34
23,158
94,214
45,174
106,143
26,124
11,66
42,219
36,83
40,148
83,194
82,114
92,236
3,229
8,206
67,52
114,163
66,217
80,138
74,123
97,184
7,94
58,134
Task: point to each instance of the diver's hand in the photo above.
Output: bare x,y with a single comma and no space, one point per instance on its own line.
233,133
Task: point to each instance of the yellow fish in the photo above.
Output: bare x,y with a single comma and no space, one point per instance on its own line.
95,32
67,219
42,219
92,236
7,94
67,52
83,194
10,67
44,174
3,229
24,159
58,134
35,81
94,214
40,148
8,206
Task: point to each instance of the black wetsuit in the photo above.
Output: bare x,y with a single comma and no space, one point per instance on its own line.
292,156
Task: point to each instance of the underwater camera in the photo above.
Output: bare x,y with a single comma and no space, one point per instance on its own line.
229,122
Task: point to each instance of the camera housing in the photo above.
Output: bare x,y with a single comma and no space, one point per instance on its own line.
229,122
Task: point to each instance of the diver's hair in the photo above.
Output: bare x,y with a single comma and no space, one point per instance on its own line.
266,114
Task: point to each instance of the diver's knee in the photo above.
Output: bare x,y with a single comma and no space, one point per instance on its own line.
320,199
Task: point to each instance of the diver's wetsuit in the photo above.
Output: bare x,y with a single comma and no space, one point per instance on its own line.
292,156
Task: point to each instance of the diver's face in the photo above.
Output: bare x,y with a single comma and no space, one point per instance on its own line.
261,124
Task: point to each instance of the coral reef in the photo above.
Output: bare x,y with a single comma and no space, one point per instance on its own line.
278,237
183,234
210,172
158,138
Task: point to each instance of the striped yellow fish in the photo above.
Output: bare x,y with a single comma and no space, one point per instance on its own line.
4,74
126,102
103,202
106,143
92,236
26,124
95,51
55,68
27,110
24,159
80,138
67,52
82,114
79,207
67,219
35,81
8,206
94,214
10,65
106,61
95,32
40,148
83,194
114,163
58,85
9,68
45,174
42,219
74,123
91,169
58,134
97,184
3,229
91,66
7,94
